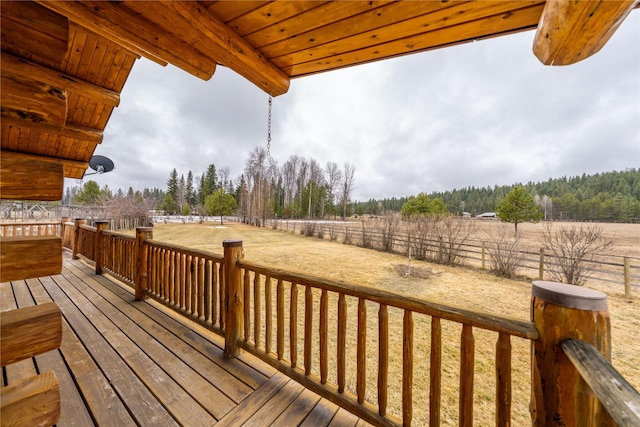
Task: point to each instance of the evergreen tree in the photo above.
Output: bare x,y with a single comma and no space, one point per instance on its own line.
220,203
518,206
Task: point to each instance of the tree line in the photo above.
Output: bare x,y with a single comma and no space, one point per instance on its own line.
605,197
299,188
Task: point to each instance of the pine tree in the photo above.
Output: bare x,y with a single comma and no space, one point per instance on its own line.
518,206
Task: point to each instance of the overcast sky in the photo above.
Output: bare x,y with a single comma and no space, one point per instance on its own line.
478,114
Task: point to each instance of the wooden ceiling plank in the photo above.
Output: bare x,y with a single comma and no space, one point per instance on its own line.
387,28
209,34
271,14
229,10
126,64
86,58
30,178
313,24
76,48
570,31
99,51
78,113
517,20
70,130
12,64
116,22
32,101
32,31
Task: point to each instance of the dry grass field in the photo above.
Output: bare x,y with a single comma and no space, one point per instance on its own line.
464,287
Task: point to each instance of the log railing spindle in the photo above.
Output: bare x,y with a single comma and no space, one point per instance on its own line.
342,337
383,358
280,319
324,332
503,380
308,325
435,374
361,351
467,349
268,302
407,368
257,321
293,325
247,302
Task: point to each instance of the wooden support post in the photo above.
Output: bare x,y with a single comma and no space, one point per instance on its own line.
100,226
484,254
233,298
541,266
559,395
627,277
76,236
142,264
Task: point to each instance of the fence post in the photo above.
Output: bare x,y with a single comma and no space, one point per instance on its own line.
63,220
142,264
233,298
627,277
484,254
100,225
76,236
559,395
541,266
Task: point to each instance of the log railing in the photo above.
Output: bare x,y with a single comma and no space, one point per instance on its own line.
308,327
30,229
118,255
294,312
187,280
86,241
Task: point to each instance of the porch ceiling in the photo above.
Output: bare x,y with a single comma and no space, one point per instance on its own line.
64,64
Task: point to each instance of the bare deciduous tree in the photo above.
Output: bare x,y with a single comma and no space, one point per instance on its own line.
452,232
573,249
348,178
504,252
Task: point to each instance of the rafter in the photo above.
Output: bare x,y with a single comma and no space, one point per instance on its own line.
570,31
22,67
135,32
228,48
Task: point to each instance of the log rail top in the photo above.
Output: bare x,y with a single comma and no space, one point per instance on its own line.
65,63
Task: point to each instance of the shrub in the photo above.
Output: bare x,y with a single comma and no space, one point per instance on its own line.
504,253
573,249
451,232
309,229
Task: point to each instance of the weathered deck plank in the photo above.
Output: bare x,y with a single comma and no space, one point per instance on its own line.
134,363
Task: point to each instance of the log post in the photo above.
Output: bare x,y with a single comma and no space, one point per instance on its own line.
484,254
627,278
142,264
541,266
100,226
233,298
76,236
559,395
63,221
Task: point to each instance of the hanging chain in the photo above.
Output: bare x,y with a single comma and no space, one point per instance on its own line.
269,129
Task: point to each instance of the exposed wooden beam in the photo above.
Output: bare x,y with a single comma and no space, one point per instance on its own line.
33,401
570,31
219,41
22,67
33,31
91,135
68,165
32,101
25,178
29,331
27,257
133,31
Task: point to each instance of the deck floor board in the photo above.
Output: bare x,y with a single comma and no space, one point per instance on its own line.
135,363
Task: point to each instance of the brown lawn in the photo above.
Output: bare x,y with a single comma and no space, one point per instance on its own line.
470,288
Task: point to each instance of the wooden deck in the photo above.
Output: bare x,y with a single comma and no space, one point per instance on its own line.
133,363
